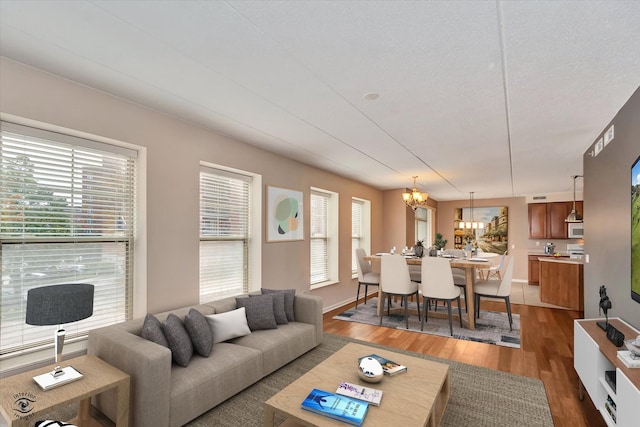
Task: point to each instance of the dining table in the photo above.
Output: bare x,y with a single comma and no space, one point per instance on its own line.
470,265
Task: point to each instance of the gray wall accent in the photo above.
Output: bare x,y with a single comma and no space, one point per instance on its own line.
607,216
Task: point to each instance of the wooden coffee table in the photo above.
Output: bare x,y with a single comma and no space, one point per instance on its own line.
417,397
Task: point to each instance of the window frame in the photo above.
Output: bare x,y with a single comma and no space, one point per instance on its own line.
331,237
253,250
364,237
61,139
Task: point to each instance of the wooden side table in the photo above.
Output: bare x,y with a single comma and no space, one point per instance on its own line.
22,401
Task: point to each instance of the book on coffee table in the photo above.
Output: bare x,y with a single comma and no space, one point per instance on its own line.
356,391
335,406
388,366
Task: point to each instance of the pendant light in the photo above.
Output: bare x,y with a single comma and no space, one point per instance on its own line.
415,199
574,216
472,224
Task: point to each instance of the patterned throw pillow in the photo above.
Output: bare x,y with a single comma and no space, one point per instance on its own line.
53,423
152,330
259,312
178,339
289,297
199,331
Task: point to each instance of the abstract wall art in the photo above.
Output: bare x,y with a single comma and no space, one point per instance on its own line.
284,215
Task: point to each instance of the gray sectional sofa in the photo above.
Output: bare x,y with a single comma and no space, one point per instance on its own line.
166,394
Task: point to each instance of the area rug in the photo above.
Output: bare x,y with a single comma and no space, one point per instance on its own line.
491,328
479,396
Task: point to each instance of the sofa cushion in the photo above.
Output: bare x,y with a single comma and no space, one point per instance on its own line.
278,308
152,330
178,339
289,297
199,331
227,325
259,311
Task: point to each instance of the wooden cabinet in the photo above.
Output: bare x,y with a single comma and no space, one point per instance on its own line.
546,220
593,355
562,283
534,268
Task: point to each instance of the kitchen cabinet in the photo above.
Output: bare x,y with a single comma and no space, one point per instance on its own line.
562,282
534,267
546,220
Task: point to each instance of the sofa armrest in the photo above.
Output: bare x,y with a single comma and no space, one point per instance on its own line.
149,366
308,309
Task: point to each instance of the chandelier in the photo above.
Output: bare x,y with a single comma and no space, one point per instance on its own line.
415,199
472,224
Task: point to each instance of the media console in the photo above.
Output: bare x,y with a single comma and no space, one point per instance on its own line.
596,362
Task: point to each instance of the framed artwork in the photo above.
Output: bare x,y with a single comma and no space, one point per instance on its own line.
492,237
284,215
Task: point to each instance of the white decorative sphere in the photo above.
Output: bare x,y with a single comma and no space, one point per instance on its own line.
370,370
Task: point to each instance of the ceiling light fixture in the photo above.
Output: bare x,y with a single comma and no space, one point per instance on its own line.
415,199
472,224
371,96
574,216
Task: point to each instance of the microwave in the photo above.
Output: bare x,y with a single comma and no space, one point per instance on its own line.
576,230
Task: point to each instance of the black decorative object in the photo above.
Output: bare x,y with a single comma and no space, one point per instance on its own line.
605,305
615,336
57,305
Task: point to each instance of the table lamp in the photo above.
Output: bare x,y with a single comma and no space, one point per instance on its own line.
57,305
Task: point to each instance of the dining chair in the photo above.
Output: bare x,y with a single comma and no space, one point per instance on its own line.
366,276
437,284
495,289
460,280
395,281
495,271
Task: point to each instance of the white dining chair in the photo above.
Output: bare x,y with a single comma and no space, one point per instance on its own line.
437,284
495,271
395,281
366,276
495,289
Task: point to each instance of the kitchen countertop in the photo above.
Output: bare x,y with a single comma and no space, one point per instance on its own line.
562,260
541,253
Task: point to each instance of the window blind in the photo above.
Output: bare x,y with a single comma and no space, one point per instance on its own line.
224,234
67,215
319,237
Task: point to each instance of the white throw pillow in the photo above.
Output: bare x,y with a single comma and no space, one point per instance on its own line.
227,325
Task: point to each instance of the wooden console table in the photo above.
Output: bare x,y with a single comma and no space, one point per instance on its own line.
22,401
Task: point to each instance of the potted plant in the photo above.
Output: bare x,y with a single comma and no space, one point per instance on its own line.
439,243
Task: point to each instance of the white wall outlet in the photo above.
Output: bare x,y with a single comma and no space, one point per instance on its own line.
586,258
537,243
513,246
608,136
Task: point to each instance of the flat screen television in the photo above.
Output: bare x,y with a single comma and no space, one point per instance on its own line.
635,230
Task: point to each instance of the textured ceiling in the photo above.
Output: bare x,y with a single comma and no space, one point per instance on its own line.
499,98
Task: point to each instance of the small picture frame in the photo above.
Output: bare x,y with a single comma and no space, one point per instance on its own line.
284,220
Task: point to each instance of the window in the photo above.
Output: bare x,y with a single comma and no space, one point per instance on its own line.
360,229
424,226
324,237
66,216
224,233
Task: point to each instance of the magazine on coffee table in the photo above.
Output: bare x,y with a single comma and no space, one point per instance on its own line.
335,406
356,391
388,366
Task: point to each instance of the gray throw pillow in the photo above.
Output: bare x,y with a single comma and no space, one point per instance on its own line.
199,331
289,297
178,339
259,311
278,308
152,330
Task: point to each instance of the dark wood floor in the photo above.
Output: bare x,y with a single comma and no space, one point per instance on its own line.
546,353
